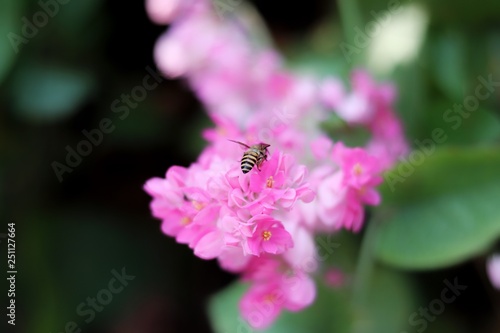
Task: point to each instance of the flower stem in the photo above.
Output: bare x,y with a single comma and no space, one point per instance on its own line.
365,266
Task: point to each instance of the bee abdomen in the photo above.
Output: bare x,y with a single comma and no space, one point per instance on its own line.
248,161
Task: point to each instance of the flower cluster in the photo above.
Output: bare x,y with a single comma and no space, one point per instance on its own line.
262,224
216,209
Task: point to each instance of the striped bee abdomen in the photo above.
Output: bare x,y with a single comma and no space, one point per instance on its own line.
249,159
255,155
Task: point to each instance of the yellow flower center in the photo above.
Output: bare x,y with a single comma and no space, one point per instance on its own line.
185,220
266,235
269,298
358,170
270,182
197,205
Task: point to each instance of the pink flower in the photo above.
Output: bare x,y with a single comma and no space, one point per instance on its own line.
299,290
233,259
493,270
338,206
265,300
262,224
262,304
281,182
361,172
388,142
268,236
344,186
209,245
263,268
371,106
332,92
356,109
212,206
321,147
189,213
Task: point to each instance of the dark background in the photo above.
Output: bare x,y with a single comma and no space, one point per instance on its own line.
70,235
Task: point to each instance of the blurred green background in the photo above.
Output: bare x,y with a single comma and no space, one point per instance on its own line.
72,231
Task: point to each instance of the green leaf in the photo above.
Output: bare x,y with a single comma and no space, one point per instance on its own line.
330,310
223,310
464,12
480,126
413,96
460,127
384,306
442,212
449,59
389,302
45,94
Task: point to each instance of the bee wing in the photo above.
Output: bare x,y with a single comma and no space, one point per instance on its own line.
241,144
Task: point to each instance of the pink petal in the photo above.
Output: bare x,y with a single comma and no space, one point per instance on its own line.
261,305
155,186
210,246
162,11
332,92
493,270
207,215
271,247
300,292
233,259
371,197
177,175
321,147
303,252
171,56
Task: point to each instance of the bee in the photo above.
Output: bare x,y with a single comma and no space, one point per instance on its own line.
254,155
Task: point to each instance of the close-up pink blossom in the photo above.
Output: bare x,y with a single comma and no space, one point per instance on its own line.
308,184
227,166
